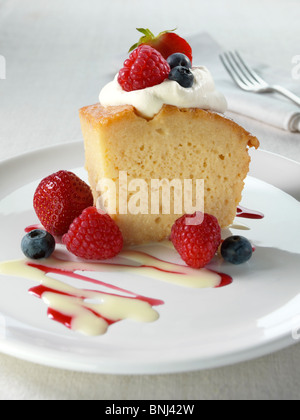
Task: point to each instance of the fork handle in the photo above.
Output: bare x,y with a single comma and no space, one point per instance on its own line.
288,94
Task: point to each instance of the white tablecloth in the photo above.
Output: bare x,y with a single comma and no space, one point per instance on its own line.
58,54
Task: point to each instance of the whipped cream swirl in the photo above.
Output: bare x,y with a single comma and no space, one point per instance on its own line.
149,101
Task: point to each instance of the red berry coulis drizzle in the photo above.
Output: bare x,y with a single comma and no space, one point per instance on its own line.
175,270
38,291
249,214
32,227
66,320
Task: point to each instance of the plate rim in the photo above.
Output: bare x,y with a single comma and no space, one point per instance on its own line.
31,354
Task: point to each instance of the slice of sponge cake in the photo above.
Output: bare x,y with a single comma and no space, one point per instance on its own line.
177,143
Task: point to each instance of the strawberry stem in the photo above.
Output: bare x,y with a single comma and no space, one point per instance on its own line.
146,32
147,36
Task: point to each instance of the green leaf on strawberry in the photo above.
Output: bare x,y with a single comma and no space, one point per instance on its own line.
166,42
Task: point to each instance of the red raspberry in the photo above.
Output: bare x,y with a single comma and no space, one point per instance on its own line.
144,68
94,236
59,199
196,244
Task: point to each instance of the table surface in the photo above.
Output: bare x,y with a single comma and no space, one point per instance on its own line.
57,57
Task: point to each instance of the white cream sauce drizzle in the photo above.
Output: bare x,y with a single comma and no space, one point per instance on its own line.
110,306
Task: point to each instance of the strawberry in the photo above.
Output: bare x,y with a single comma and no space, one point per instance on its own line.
167,43
59,199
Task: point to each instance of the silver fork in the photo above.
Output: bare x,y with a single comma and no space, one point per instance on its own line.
248,79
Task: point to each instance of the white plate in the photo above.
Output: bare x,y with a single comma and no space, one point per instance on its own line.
258,314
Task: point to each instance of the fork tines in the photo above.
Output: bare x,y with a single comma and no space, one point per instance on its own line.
241,73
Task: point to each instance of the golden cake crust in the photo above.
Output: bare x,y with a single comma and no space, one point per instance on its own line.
97,114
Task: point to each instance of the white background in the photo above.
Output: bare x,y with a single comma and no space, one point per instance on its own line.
58,55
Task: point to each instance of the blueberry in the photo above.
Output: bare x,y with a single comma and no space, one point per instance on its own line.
236,250
183,76
38,244
178,59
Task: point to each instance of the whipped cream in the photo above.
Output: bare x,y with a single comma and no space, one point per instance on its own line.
149,101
